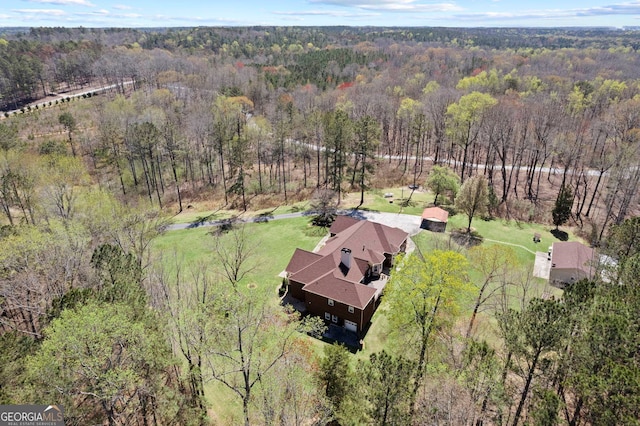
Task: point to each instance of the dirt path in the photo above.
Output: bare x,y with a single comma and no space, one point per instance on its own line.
511,244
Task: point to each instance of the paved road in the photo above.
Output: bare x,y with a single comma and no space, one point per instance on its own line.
496,168
45,103
406,222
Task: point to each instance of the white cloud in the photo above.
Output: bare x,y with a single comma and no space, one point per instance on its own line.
631,8
359,3
122,7
393,5
64,2
129,15
333,14
49,12
101,12
189,19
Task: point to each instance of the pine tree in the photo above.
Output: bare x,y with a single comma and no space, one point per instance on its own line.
562,210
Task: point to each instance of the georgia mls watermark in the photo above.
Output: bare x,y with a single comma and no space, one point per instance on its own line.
31,415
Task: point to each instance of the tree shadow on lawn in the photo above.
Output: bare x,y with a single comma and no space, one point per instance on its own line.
466,239
203,220
560,235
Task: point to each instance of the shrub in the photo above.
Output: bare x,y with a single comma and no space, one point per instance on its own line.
50,147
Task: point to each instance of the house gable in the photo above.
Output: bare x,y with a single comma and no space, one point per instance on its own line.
331,281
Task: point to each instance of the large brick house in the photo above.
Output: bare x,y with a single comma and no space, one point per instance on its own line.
341,282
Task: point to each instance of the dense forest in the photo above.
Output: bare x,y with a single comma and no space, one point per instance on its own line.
95,319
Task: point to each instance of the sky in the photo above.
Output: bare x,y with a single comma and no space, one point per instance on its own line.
447,13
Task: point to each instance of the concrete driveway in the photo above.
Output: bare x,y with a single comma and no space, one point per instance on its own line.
542,266
408,223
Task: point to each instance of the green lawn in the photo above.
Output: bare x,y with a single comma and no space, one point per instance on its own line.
273,244
520,233
196,214
275,241
518,236
225,408
376,337
376,201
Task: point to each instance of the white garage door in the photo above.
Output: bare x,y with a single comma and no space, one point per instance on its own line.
351,326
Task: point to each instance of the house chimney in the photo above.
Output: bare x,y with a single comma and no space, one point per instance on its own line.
345,257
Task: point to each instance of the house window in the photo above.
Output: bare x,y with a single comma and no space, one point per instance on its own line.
327,316
334,319
350,309
330,302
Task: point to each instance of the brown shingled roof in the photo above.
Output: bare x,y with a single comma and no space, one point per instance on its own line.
349,293
321,273
435,213
572,254
364,237
300,260
341,223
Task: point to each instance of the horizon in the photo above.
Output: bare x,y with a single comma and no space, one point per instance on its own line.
320,13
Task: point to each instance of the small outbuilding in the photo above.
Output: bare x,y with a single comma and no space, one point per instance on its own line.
434,219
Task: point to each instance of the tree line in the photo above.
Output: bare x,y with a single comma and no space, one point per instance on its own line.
85,186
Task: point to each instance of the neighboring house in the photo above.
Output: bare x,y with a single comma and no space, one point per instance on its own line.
342,282
571,262
434,219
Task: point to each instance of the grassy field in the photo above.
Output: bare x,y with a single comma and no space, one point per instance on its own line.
374,201
512,232
200,212
275,242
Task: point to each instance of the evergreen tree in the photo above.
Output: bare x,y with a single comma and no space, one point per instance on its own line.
386,388
335,375
339,133
562,210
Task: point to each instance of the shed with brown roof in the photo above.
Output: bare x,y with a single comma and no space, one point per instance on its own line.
434,219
